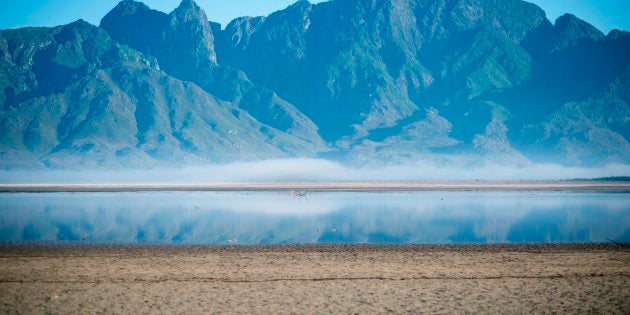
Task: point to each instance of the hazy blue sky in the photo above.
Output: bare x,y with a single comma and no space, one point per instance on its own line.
604,14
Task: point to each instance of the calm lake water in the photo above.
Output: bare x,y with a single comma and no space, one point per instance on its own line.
279,218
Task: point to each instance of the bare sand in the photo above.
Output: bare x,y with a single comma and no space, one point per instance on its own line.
570,186
315,279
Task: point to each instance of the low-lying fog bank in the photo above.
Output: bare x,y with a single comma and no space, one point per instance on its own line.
290,170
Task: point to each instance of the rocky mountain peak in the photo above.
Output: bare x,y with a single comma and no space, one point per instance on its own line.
182,41
122,24
80,30
190,28
570,30
127,7
302,5
615,34
189,11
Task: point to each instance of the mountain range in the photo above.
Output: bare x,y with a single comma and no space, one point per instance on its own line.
365,82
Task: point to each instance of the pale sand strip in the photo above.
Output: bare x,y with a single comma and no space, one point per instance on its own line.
572,186
315,279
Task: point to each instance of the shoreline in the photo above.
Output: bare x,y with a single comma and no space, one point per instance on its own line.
449,186
8,249
529,278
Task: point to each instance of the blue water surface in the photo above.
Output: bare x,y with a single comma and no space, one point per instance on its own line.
187,218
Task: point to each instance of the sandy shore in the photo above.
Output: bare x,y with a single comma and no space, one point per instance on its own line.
315,279
571,186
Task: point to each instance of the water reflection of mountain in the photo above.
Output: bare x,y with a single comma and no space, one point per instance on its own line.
237,218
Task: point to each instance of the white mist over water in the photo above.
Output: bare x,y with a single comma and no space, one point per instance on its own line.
289,170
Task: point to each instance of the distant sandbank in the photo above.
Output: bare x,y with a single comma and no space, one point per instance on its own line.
568,186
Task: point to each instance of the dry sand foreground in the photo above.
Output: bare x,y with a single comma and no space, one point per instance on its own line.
315,279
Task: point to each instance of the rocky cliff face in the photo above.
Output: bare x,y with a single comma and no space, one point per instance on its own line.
496,71
394,81
182,40
375,63
183,44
